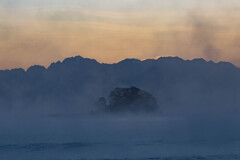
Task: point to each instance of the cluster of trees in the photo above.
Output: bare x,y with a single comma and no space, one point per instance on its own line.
131,99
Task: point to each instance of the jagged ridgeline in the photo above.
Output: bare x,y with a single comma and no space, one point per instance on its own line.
78,82
128,100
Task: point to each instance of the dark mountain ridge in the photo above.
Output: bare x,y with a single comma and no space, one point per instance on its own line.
77,81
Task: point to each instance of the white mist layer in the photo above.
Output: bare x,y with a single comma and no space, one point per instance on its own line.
65,137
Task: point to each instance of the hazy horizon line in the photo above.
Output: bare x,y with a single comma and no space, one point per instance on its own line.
129,58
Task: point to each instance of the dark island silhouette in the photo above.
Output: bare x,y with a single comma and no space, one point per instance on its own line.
75,83
130,99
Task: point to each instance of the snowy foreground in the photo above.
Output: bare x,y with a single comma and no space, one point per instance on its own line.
58,137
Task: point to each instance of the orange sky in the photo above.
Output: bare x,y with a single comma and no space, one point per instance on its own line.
40,33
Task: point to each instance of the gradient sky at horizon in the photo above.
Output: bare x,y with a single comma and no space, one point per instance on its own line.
43,31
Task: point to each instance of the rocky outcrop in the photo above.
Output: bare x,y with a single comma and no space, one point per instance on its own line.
128,100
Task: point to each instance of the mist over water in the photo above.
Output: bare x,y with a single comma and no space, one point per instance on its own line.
129,136
197,118
48,113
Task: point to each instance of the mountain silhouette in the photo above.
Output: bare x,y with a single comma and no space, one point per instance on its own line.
76,82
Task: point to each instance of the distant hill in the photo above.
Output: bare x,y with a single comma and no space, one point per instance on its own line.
76,82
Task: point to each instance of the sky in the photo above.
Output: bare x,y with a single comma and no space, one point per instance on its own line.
44,31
